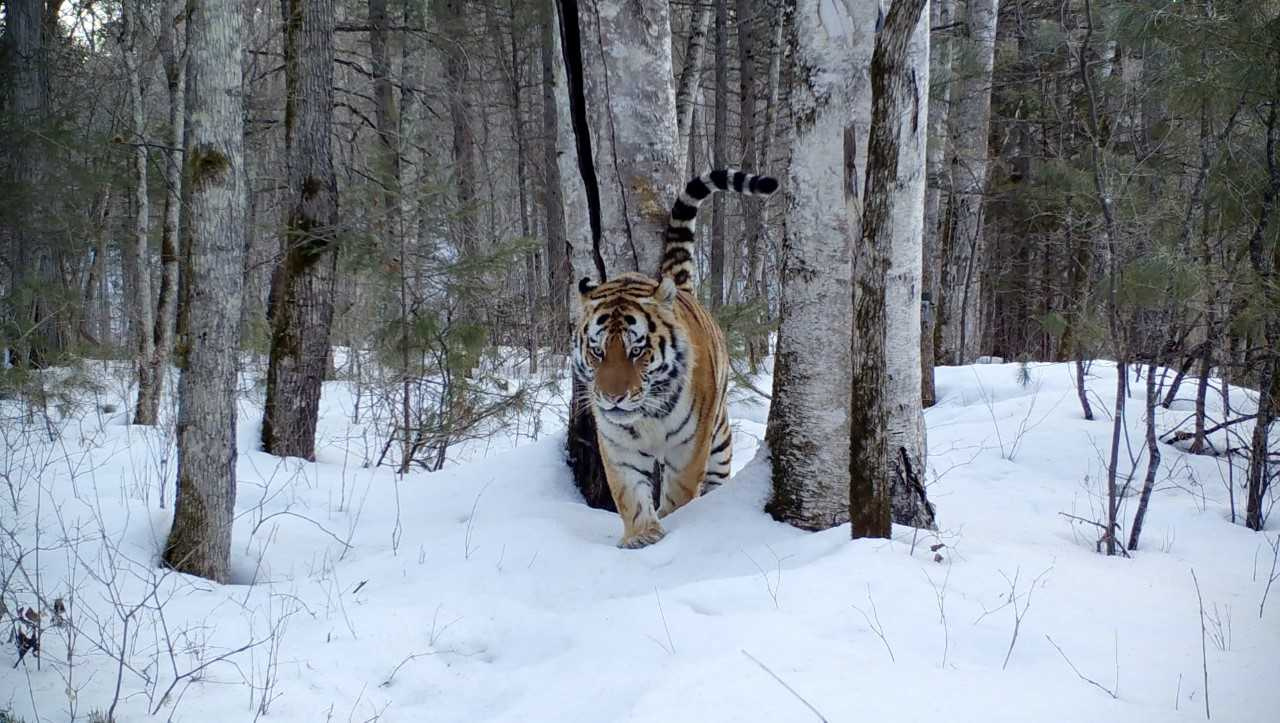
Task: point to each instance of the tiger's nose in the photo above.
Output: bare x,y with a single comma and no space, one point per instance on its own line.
613,399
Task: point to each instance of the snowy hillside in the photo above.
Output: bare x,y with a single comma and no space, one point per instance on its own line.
488,592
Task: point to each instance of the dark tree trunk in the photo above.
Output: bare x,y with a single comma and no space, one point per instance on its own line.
1153,460
301,306
1259,474
869,481
200,540
35,281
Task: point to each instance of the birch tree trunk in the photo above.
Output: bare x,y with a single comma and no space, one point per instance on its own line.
962,262
199,541
136,251
809,416
558,267
937,190
903,286
301,308
720,153
572,188
690,77
148,407
631,99
747,122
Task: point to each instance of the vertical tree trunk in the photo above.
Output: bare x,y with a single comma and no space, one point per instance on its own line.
552,194
387,162
937,191
747,123
758,344
894,94
136,251
809,415
1259,473
302,290
465,221
631,94
690,77
903,287
200,540
961,290
1153,460
148,407
34,279
720,153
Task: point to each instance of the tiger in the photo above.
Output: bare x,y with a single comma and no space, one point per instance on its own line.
655,366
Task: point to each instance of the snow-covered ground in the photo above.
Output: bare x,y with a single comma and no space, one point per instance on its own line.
488,592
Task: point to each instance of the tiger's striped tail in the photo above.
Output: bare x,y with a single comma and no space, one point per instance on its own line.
677,252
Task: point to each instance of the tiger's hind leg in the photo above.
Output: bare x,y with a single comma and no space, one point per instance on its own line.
720,456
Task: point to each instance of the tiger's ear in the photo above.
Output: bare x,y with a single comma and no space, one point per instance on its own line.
585,285
666,291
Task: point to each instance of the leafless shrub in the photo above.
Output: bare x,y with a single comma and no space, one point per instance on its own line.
873,622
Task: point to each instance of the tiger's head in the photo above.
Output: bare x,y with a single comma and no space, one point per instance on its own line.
624,350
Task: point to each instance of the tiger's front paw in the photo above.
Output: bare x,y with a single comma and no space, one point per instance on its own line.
642,538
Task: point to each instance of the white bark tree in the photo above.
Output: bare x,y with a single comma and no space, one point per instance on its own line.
941,13
626,49
809,416
151,384
690,77
903,286
200,540
962,261
137,254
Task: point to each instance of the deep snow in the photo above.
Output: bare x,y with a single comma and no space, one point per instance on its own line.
487,591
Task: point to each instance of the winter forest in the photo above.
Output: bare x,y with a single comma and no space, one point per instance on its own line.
379,360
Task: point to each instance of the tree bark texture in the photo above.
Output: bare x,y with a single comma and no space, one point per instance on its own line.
137,253
809,415
301,310
747,123
199,542
174,57
626,49
558,267
34,276
720,154
894,94
937,190
690,77
903,287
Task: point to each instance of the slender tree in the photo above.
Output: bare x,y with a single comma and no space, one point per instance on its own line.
137,252
200,538
941,13
151,384
690,77
558,265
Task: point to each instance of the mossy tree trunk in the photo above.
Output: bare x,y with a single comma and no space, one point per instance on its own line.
200,540
301,304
